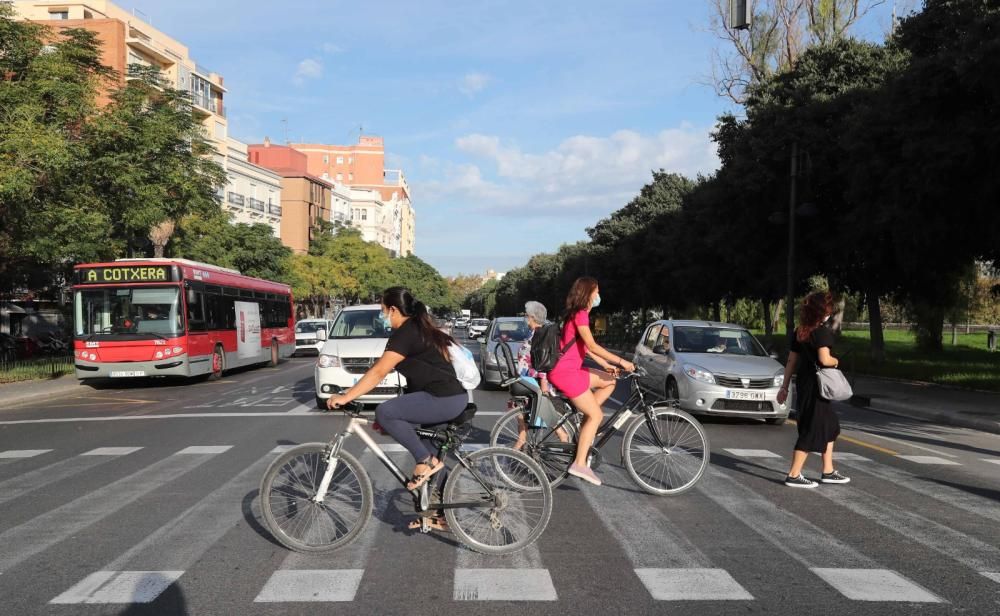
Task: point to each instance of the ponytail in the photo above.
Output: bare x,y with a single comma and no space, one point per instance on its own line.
401,299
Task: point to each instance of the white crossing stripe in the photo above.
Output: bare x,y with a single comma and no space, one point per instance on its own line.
876,585
929,460
119,587
196,449
303,585
796,536
173,548
303,409
992,460
993,575
753,453
504,585
692,585
23,453
667,563
392,447
846,456
15,487
111,451
283,448
48,529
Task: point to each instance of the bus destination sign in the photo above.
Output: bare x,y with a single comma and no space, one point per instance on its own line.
125,273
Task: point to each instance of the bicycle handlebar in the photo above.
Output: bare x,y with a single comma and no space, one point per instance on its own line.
351,408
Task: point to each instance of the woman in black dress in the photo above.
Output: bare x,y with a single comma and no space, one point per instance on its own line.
818,424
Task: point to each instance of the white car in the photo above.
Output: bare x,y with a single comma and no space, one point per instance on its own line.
356,341
478,327
461,322
308,337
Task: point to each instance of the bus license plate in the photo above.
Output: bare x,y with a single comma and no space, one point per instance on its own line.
119,373
744,395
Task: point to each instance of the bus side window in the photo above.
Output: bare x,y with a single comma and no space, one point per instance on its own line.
195,314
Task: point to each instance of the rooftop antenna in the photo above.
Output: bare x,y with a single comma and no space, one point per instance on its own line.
284,122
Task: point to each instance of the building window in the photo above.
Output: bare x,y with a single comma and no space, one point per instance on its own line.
59,14
326,159
340,160
364,214
340,177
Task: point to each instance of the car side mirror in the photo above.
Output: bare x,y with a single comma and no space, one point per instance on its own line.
661,349
321,334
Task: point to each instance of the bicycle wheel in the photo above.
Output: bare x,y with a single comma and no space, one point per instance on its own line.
512,515
678,464
298,522
552,454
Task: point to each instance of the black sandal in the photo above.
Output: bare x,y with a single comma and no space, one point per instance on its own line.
418,480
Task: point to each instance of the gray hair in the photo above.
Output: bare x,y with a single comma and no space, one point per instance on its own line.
537,311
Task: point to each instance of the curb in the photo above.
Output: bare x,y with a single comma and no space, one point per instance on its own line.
948,419
57,388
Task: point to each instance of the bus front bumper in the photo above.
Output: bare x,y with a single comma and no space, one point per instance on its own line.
168,366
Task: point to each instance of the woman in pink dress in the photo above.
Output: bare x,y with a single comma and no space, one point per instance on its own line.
587,389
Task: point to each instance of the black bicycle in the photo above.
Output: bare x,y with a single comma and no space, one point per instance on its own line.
664,449
317,496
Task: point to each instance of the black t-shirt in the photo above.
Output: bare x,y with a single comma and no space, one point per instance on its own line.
425,368
808,351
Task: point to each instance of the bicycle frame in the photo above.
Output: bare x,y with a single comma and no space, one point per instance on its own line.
422,495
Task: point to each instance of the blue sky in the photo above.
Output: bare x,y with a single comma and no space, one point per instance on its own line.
518,123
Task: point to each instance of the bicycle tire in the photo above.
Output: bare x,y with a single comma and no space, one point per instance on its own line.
685,456
309,460
525,512
554,462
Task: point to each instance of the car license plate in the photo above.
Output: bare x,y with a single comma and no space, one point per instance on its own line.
389,381
126,373
744,395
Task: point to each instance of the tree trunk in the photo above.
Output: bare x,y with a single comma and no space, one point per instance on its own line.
875,328
765,305
929,325
716,315
159,235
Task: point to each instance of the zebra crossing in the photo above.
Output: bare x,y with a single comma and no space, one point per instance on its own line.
660,539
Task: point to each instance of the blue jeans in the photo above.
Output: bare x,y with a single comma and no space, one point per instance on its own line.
401,417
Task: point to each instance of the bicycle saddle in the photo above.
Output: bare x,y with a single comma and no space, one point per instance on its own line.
464,417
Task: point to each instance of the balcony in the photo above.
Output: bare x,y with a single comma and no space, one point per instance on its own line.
256,204
235,199
147,45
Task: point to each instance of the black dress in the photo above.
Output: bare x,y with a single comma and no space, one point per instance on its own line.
818,422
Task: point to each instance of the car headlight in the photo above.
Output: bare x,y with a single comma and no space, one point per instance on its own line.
328,361
699,374
779,379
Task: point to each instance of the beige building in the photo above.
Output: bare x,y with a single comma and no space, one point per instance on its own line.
125,40
407,230
252,193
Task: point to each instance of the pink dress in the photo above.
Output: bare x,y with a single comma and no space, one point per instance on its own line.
569,375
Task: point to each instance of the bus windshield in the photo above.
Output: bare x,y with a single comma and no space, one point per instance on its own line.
153,312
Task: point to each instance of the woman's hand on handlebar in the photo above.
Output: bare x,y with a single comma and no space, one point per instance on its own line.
336,402
626,365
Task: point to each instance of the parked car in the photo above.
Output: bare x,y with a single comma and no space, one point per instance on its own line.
512,331
478,327
712,368
308,338
356,341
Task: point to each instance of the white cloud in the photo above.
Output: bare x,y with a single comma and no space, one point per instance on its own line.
307,69
331,48
583,175
474,83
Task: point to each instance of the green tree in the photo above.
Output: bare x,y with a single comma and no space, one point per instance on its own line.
251,249
461,286
316,279
423,280
368,263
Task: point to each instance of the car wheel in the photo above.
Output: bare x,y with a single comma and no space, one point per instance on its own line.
670,390
775,421
321,404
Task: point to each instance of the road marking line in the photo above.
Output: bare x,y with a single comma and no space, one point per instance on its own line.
504,585
907,444
112,400
303,409
119,587
197,449
930,460
48,529
23,453
861,443
992,460
845,455
993,575
15,487
311,585
692,585
753,453
111,451
875,585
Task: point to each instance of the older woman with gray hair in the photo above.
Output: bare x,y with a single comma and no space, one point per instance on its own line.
536,315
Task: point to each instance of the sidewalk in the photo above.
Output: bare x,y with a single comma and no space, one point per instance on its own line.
955,407
12,394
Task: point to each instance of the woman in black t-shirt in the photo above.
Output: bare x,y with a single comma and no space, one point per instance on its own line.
419,351
818,424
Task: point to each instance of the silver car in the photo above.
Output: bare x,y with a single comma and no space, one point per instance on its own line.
712,368
512,331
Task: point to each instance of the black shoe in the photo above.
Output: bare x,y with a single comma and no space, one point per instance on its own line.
800,482
834,477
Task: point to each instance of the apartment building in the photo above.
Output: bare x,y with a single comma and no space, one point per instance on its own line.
252,193
305,198
127,39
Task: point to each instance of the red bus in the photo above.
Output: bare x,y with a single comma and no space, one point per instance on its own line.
174,317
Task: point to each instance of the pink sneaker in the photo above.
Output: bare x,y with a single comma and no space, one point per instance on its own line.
583,472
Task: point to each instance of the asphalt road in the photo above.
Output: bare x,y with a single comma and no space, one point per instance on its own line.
139,498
